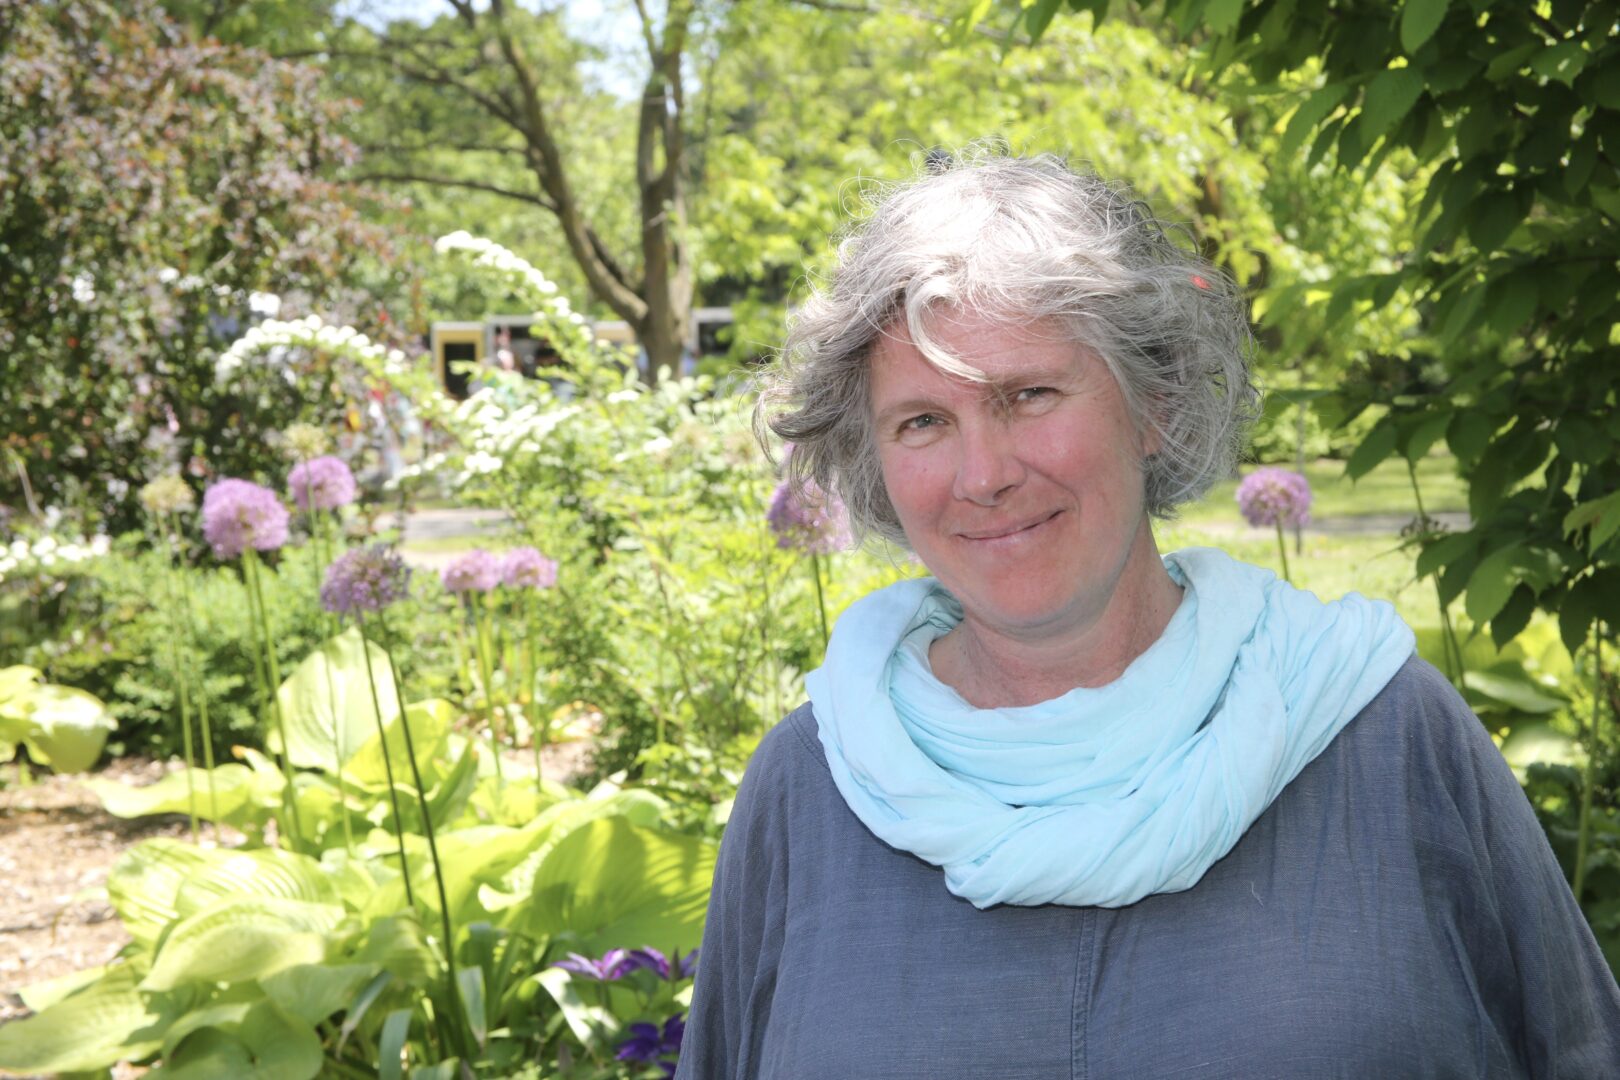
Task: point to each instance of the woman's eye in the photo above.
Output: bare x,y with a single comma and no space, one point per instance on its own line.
918,423
1033,393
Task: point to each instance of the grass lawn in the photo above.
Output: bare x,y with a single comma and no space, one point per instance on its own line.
1332,564
1385,490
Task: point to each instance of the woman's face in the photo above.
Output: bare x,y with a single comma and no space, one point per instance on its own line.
1024,495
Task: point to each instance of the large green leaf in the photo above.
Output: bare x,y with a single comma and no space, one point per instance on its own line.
1390,96
517,883
62,727
239,790
1510,686
258,1042
589,1023
313,992
327,705
241,939
269,873
92,1029
144,884
399,945
430,724
1602,514
612,883
1419,20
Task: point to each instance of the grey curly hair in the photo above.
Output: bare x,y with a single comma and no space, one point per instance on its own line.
1020,239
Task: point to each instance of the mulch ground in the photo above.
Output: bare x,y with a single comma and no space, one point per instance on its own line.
56,846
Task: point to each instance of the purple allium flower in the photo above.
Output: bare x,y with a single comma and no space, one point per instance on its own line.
614,965
647,1044
526,568
239,514
365,579
816,523
1272,496
322,483
476,571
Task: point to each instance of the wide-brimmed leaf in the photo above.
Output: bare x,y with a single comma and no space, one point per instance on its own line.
516,883
62,727
326,702
430,723
314,992
268,872
144,884
260,1041
611,883
91,1029
238,788
398,944
241,939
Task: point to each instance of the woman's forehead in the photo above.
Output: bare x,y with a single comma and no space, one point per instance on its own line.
977,349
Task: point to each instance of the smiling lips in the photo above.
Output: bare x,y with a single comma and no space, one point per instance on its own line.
1002,532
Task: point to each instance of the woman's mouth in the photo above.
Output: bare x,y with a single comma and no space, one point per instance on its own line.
1012,529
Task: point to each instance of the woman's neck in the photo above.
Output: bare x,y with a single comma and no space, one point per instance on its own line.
995,668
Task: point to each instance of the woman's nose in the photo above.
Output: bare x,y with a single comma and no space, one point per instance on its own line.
989,466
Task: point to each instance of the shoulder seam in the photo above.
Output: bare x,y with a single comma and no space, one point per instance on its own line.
799,719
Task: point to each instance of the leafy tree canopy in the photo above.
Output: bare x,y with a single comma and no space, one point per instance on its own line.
149,186
1513,253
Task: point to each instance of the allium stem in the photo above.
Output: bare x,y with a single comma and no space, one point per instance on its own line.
202,706
486,672
320,552
388,759
1282,549
182,683
821,599
433,845
1448,634
537,733
269,689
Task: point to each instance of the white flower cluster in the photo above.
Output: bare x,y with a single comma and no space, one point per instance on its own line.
428,466
564,323
47,551
497,435
309,333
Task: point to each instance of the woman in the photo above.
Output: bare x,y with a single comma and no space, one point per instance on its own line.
1069,808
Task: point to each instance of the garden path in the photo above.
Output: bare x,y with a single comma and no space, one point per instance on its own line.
56,846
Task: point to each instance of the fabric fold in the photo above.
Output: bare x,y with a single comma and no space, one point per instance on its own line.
1106,794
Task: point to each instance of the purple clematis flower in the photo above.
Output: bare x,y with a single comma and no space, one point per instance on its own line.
648,1045
614,965
651,959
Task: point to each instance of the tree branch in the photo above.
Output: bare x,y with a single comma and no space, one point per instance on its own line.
450,181
606,279
471,148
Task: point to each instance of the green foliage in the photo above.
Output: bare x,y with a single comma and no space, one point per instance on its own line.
1508,117
61,727
149,187
275,963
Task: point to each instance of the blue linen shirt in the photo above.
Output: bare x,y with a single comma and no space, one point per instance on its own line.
1395,913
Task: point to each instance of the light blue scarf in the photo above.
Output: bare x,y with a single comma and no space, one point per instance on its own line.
1107,794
